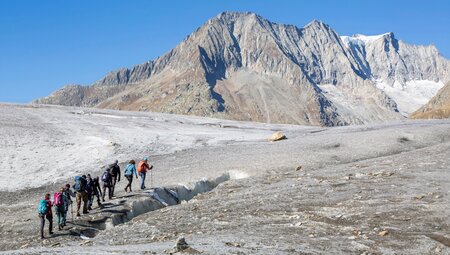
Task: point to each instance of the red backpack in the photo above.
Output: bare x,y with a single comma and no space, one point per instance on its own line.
57,199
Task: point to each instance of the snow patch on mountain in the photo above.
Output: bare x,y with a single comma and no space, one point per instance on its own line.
411,95
359,38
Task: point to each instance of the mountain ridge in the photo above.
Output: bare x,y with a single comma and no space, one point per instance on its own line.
242,66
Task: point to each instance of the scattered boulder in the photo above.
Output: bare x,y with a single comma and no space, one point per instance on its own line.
277,136
181,244
383,233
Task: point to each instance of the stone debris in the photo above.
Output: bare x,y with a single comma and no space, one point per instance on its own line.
234,244
383,233
85,242
25,246
277,136
182,246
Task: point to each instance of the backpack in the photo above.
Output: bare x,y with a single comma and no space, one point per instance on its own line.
106,177
129,170
57,199
142,167
43,207
80,184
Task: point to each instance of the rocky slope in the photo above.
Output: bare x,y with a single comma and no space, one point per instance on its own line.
242,66
437,108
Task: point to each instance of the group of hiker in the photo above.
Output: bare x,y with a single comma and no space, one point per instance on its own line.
85,189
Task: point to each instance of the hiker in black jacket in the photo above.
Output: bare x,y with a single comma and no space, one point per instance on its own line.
89,191
96,192
115,175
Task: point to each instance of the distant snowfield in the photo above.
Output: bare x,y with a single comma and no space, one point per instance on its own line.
44,145
412,95
359,38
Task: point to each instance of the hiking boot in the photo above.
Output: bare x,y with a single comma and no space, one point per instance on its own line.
78,215
50,233
85,212
90,208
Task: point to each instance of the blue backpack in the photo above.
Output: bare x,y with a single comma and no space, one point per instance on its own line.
80,184
43,207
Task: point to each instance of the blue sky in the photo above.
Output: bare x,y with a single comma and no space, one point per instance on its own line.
47,44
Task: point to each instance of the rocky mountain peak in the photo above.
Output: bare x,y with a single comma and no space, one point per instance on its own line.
241,66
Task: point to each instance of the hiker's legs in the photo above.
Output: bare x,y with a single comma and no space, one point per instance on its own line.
42,218
90,200
142,180
50,223
64,216
104,193
130,180
114,181
58,217
78,202
98,199
84,196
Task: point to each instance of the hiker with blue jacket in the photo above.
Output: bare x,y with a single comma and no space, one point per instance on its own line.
130,170
45,212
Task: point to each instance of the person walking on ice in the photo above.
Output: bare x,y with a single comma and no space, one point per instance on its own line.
130,170
115,175
59,200
107,183
81,195
143,167
45,212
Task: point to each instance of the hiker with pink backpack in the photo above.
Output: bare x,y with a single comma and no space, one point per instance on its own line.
59,203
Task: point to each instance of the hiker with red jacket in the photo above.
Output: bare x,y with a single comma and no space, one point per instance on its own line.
58,202
143,167
45,212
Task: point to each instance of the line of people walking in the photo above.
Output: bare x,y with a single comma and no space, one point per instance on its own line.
85,190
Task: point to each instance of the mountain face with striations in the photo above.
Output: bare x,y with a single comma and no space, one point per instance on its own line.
244,67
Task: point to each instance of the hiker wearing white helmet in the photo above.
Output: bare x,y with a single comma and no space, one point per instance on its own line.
143,167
